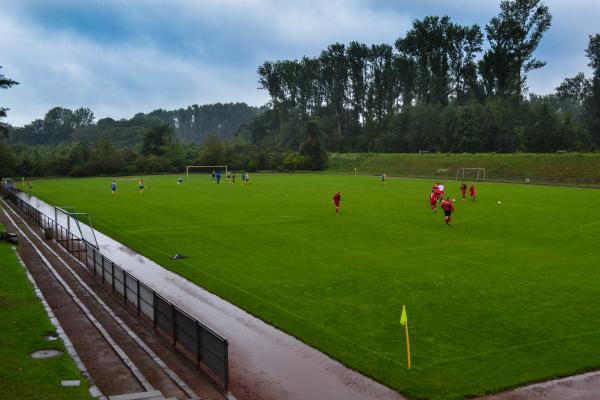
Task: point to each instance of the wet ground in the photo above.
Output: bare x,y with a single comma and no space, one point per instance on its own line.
578,387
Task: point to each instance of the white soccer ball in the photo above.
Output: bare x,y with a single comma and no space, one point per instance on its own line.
453,199
499,202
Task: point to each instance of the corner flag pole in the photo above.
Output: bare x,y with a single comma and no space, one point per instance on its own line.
404,322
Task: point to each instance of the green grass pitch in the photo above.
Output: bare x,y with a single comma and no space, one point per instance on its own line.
509,294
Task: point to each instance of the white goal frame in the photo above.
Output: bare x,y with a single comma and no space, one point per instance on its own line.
9,184
188,167
75,222
480,173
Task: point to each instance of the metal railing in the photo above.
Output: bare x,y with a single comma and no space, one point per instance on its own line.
197,341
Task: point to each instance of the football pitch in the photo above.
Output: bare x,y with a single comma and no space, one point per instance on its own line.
509,294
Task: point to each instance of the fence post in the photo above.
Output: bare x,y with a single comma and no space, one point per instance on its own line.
198,343
113,276
174,325
226,362
155,308
138,296
125,286
102,268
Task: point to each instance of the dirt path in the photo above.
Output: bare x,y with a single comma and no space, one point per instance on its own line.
100,351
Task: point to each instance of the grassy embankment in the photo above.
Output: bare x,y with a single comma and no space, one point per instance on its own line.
24,323
568,168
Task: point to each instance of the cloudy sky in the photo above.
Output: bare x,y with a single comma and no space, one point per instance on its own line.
119,57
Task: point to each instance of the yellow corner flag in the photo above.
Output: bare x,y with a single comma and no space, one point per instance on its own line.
404,322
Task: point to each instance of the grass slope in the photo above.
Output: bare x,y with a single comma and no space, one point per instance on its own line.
508,295
24,323
572,168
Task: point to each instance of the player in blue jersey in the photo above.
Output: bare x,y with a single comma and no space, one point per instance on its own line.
113,187
218,176
141,185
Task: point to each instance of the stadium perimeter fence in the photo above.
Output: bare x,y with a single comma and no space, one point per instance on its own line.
205,347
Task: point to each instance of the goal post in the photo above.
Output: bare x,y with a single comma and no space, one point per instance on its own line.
78,224
190,168
471,174
9,184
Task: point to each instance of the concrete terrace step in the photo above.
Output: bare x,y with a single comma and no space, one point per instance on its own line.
152,395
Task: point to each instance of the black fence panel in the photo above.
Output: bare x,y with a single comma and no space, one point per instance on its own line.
146,301
107,271
89,258
119,280
164,314
213,353
97,263
186,331
131,292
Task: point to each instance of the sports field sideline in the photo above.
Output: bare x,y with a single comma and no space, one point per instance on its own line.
509,294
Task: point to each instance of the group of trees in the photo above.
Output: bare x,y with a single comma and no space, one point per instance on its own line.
190,125
435,89
69,143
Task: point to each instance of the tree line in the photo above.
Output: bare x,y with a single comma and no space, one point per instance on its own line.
158,151
190,125
72,143
441,87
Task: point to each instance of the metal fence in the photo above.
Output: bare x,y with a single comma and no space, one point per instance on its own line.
207,348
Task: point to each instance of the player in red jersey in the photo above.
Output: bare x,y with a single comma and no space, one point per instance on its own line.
472,192
463,190
433,201
448,208
436,189
336,200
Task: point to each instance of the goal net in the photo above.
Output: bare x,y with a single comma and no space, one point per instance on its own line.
77,223
204,169
9,185
470,174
